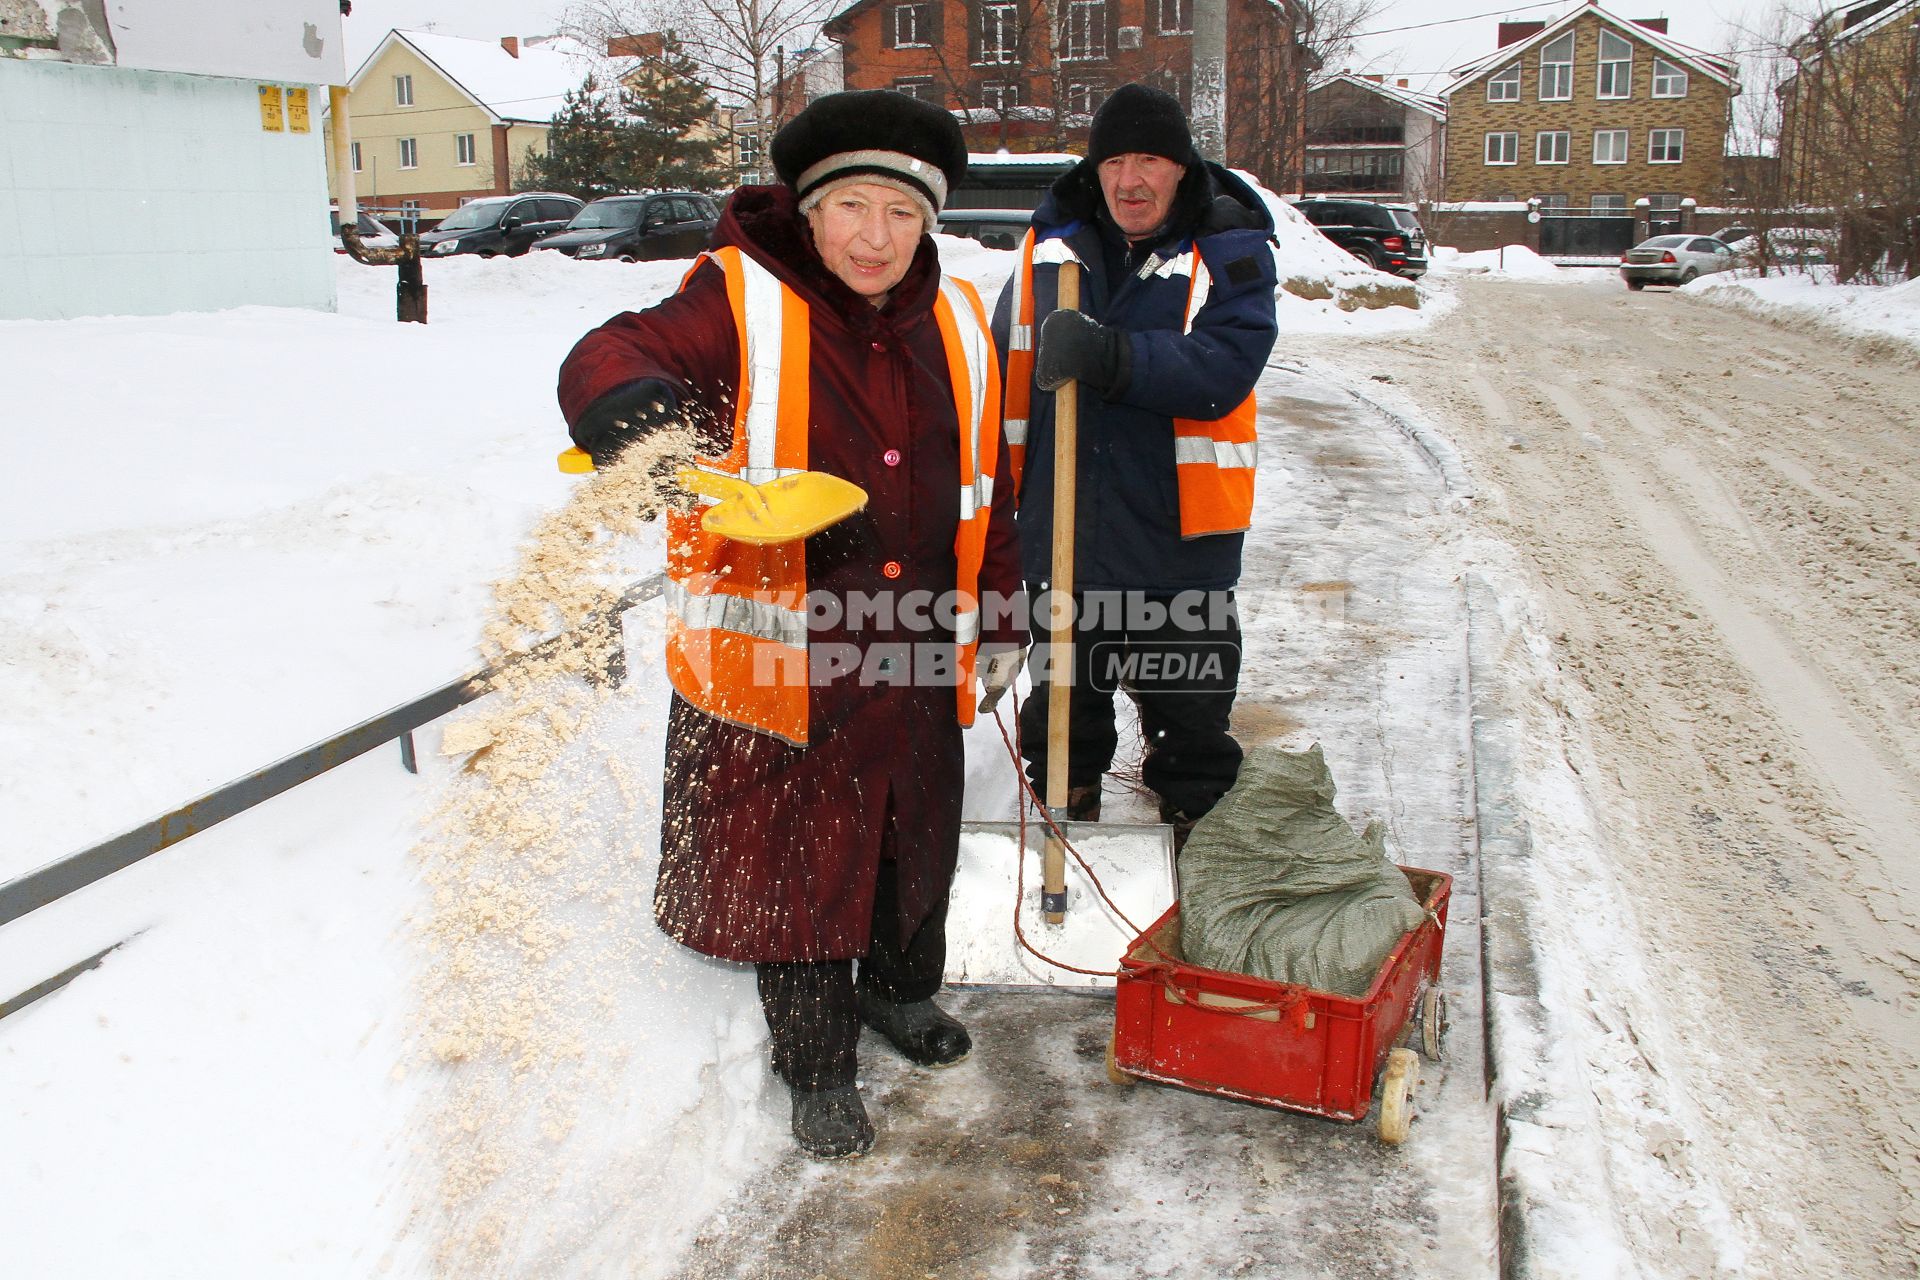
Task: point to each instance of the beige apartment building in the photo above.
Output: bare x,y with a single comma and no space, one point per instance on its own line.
439,120
1591,111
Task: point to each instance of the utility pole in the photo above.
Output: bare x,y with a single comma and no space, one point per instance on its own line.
1208,114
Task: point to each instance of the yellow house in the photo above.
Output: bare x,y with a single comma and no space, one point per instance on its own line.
440,120
1848,111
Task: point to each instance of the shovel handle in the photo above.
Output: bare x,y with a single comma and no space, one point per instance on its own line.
1066,468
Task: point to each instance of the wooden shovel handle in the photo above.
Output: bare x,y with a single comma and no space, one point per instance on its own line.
1066,445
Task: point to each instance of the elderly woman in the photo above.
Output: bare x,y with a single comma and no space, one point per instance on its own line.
811,811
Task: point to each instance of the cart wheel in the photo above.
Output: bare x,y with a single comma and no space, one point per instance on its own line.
1433,1020
1396,1096
1114,1073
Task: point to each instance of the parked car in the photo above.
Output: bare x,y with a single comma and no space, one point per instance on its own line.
663,224
1674,260
1387,237
497,225
373,233
994,228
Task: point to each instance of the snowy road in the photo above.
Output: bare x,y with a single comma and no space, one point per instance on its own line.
1701,528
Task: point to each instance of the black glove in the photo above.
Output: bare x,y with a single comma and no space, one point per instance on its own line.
624,415
1075,346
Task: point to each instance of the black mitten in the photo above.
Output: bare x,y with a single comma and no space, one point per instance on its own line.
1073,345
624,415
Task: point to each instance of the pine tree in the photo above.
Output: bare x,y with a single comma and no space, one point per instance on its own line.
664,106
584,146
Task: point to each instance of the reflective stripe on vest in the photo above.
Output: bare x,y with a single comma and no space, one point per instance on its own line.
1214,460
737,613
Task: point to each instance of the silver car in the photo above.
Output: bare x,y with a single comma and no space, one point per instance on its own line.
1673,260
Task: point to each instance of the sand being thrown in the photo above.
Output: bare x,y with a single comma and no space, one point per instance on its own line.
539,865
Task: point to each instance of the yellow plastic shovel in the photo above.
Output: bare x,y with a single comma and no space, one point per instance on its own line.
783,510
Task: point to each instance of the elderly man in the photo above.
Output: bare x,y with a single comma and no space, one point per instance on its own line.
1177,322
811,811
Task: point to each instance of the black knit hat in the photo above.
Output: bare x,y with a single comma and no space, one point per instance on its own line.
876,132
1137,118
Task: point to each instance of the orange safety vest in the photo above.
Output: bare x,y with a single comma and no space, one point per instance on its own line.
737,613
1214,459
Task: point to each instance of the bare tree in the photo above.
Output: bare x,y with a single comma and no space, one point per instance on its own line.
1847,127
1267,85
736,44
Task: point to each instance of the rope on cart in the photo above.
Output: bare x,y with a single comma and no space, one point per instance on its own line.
1020,870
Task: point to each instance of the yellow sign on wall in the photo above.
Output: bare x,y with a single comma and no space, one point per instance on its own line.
272,118
297,119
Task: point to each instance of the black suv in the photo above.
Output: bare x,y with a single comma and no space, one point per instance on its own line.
498,225
665,224
1387,237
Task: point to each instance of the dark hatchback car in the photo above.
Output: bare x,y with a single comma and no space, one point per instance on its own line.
1387,237
665,224
499,226
994,228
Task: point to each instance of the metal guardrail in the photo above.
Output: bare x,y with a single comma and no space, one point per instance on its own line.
57,879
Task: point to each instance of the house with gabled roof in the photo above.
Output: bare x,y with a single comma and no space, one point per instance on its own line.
1366,137
439,120
1589,111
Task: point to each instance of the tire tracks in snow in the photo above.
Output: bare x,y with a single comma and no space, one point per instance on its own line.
1719,519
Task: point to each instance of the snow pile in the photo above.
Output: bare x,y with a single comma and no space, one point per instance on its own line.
1879,317
1514,261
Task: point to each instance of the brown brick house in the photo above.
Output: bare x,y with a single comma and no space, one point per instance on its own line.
1848,113
995,64
1589,111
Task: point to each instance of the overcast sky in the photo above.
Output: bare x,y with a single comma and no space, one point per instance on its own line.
1449,32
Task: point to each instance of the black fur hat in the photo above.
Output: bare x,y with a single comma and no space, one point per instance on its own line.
874,132
1138,118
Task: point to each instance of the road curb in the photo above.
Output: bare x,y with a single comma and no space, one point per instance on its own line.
1515,1020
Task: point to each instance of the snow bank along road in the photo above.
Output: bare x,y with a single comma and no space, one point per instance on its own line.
1718,523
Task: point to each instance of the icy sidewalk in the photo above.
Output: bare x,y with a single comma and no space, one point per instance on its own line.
1025,1159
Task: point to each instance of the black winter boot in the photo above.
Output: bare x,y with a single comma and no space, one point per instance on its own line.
920,1030
831,1124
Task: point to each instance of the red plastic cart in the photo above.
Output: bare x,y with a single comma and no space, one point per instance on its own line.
1280,1044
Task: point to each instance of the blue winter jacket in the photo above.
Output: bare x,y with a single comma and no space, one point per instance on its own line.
1128,512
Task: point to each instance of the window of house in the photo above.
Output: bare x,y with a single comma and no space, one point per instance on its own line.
1609,146
463,150
1504,86
1669,81
1000,95
999,34
1176,17
1668,200
1556,69
403,91
1086,30
409,153
1503,148
1608,204
1616,66
1555,200
920,87
355,148
1085,96
1552,147
910,29
749,144
1666,146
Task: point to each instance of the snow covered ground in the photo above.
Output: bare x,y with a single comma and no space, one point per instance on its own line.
1876,314
225,537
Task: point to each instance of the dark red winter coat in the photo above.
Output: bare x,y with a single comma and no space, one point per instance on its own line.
769,851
